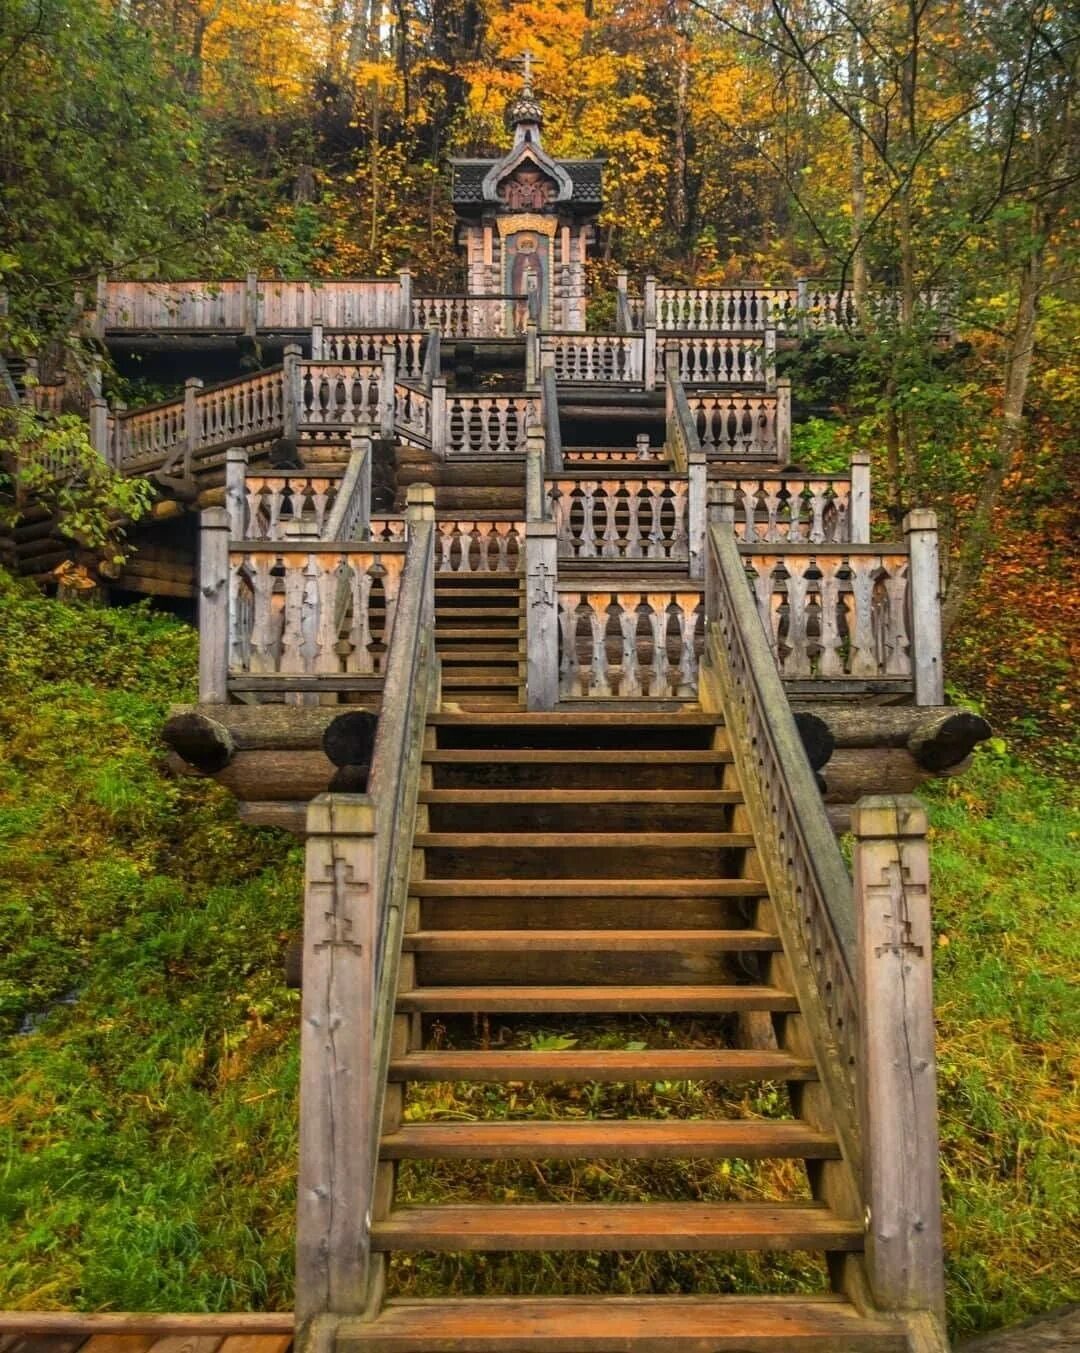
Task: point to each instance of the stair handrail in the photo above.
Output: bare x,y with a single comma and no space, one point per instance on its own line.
549,410
350,516
859,953
359,856
687,458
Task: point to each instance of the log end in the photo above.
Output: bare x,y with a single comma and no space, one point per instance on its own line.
948,739
200,741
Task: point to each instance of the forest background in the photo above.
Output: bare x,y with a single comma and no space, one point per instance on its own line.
147,1150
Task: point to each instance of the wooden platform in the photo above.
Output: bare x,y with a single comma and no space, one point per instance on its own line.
135,1332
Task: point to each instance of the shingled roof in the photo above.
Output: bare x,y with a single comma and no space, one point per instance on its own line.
468,178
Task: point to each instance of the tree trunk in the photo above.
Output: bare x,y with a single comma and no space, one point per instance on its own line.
859,282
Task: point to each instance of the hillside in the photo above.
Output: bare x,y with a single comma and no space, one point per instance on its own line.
149,1069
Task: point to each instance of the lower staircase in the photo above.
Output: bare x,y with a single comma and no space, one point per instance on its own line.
600,1087
479,638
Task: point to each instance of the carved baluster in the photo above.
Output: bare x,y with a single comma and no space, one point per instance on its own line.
292,638
610,500
831,658
771,500
446,543
241,614
360,581
864,661
679,498
320,489
817,490
256,528
760,568
500,532
267,615
599,676
630,677
897,642
588,548
656,529
635,490
689,604
569,666
327,580
797,663
657,603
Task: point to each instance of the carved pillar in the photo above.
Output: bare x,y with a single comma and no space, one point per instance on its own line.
924,588
235,497
859,505
894,955
214,606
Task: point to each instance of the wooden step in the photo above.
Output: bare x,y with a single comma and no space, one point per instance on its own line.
455,680
629,1226
596,999
461,633
585,888
474,656
579,1065
644,941
670,840
582,797
817,1323
610,1139
476,613
555,756
583,719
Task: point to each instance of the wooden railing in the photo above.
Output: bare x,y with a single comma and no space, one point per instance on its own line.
718,359
479,545
339,395
804,509
350,515
629,640
465,316
489,425
744,427
622,518
549,413
359,856
344,345
413,413
250,305
859,959
582,358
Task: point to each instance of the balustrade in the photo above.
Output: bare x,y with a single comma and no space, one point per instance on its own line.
489,425
412,413
834,615
339,394
147,437
629,642
584,358
246,409
738,309
623,518
348,346
461,316
793,509
282,507
311,612
479,546
717,360
736,427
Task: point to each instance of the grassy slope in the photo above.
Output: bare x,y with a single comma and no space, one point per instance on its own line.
146,1129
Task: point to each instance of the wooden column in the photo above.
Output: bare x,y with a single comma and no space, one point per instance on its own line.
235,495
783,421
898,1109
800,305
337,1027
99,428
721,513
541,615
649,323
622,298
924,586
214,606
405,300
770,356
438,418
251,304
532,355
697,510
535,500
386,393
293,392
859,508
192,386
317,341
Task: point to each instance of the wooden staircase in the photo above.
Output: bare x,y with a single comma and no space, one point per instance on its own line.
479,640
587,921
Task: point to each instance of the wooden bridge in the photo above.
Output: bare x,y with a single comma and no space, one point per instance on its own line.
631,671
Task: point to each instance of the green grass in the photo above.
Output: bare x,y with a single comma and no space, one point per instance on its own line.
147,1121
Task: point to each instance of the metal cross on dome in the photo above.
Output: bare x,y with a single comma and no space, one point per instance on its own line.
527,61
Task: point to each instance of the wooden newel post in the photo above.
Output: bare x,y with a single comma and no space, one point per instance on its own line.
721,514
405,299
317,340
99,428
783,421
251,304
671,377
214,606
542,615
697,510
386,393
293,392
801,303
894,946
192,386
770,356
420,507
439,422
337,1027
924,587
649,325
532,355
859,507
235,494
360,445
535,501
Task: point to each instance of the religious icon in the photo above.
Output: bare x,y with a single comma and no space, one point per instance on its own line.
526,275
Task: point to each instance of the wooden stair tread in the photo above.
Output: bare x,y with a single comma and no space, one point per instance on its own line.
626,1226
669,840
590,999
574,1064
583,718
581,796
476,612
474,656
456,633
585,888
648,941
455,679
556,756
804,1323
610,1139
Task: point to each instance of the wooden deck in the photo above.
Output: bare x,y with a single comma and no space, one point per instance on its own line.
134,1332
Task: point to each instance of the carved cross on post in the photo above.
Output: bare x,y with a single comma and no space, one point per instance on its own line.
527,61
338,926
893,896
542,586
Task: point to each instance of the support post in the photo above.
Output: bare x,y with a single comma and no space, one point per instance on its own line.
770,357
894,956
214,606
649,325
337,1029
859,505
697,510
251,304
671,376
386,393
622,300
541,615
438,418
532,355
801,305
360,442
99,428
293,392
235,495
721,513
924,586
317,341
405,299
192,386
420,506
535,498
783,421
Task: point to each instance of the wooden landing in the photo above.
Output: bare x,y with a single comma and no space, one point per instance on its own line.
133,1332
